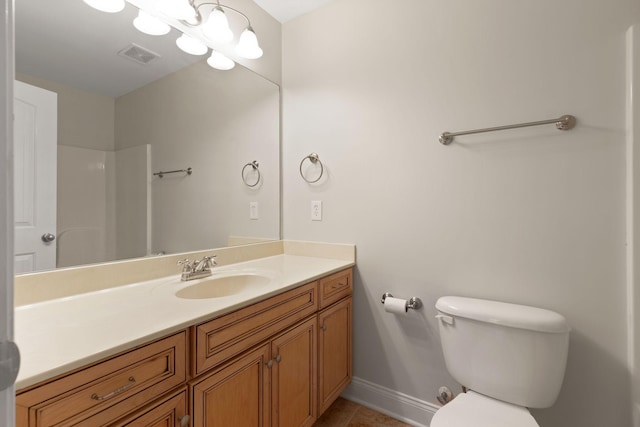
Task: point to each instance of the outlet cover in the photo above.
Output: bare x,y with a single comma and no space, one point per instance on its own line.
316,210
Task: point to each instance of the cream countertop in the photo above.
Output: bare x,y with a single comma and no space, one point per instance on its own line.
63,334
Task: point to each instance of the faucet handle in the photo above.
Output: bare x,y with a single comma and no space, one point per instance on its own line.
186,267
207,261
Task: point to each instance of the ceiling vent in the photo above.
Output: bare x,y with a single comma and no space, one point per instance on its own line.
139,54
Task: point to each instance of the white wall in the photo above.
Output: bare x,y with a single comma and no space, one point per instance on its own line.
532,216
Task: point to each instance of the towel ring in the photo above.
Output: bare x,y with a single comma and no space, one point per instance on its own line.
313,158
255,165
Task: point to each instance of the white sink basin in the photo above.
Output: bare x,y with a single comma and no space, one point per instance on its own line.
216,287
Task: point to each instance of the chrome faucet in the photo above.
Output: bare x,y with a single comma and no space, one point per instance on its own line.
197,269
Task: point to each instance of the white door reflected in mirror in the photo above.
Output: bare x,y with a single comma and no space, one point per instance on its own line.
35,154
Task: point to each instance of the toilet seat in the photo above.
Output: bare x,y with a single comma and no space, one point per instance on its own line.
473,409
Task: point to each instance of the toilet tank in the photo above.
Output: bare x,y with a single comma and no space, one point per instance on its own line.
510,352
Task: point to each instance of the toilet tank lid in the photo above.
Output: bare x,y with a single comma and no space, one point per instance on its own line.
504,314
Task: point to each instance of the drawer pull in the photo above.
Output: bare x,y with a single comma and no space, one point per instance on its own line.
115,392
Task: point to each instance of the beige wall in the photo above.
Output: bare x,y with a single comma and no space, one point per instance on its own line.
269,33
192,119
85,119
532,216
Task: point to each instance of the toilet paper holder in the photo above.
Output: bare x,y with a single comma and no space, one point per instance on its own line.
413,303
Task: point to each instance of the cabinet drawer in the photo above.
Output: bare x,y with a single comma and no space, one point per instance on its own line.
170,411
104,392
229,335
335,287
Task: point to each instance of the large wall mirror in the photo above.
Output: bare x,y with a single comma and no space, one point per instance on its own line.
120,122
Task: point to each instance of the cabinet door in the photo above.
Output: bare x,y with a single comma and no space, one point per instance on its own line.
170,412
293,376
334,352
237,394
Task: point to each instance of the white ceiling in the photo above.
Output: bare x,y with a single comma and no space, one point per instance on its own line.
77,46
285,10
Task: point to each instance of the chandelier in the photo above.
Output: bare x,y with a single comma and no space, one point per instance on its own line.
208,17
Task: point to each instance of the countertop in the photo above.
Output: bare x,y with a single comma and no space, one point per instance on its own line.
63,334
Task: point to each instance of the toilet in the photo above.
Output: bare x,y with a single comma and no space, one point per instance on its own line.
509,357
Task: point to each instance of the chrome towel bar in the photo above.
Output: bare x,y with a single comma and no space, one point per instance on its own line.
160,174
565,122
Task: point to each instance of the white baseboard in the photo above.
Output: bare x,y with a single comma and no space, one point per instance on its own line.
405,408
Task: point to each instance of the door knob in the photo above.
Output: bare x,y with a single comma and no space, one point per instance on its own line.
48,237
9,363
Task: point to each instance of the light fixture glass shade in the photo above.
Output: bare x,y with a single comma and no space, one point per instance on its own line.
216,28
150,25
177,9
111,6
248,45
219,61
191,45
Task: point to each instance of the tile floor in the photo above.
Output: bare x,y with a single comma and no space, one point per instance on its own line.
344,413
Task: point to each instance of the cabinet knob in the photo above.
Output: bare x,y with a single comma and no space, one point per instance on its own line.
269,363
323,327
278,358
184,421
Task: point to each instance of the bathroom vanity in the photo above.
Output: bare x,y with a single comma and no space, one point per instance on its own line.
279,356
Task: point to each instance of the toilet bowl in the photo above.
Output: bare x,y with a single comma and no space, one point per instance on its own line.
473,409
510,357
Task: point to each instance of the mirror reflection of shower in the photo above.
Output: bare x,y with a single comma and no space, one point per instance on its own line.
119,121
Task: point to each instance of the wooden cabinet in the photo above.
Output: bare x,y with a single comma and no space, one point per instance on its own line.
106,391
277,363
270,385
237,394
172,411
224,337
335,287
334,352
293,376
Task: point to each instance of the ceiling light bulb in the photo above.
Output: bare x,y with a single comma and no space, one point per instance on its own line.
220,62
248,45
216,28
150,25
191,45
111,6
177,9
